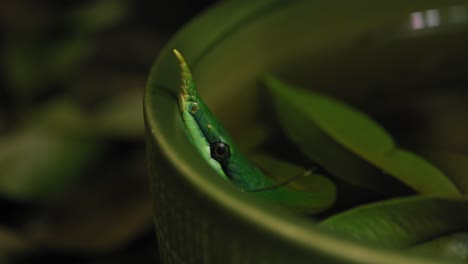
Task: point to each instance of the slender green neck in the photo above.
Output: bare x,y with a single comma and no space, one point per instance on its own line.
211,139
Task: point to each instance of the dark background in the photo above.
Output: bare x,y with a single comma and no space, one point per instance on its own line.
73,181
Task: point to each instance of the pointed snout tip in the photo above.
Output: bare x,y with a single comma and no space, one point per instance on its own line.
178,55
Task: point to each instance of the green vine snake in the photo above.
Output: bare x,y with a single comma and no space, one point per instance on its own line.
217,148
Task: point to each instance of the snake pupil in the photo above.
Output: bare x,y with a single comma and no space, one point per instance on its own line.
220,151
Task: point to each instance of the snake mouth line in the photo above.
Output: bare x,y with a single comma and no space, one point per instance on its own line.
283,183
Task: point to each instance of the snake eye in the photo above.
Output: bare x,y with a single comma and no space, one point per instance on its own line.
220,151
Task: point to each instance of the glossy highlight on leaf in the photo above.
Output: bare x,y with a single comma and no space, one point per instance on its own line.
401,222
453,246
347,136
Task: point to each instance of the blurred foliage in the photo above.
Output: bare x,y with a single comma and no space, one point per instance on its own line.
73,184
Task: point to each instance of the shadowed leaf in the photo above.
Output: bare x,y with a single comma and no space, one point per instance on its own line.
454,164
350,144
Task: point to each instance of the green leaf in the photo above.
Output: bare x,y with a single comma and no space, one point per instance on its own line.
38,164
401,222
350,145
62,116
300,181
44,156
453,246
